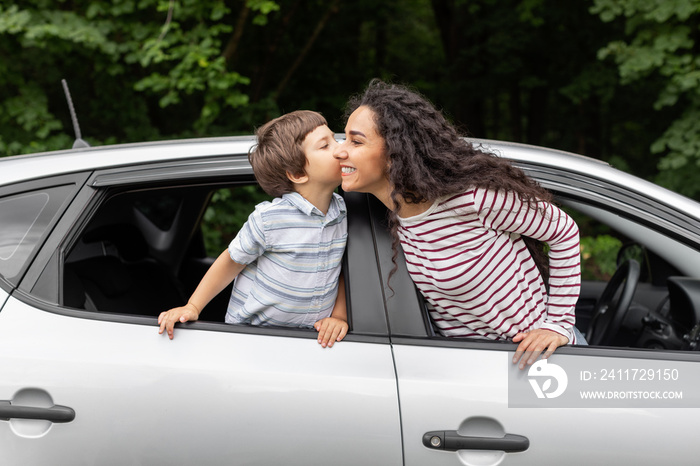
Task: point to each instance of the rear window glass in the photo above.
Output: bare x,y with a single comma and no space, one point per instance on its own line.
24,219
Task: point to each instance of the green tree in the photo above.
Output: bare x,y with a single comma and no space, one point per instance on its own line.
660,44
138,70
518,70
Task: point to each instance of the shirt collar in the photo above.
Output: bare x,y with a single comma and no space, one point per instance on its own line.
297,200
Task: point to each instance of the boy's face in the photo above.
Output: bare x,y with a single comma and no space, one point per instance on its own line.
321,167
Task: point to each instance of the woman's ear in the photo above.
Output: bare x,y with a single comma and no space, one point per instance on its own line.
298,179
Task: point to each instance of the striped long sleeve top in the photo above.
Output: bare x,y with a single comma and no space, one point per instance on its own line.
466,256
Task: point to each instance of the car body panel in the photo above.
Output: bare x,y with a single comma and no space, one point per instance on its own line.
246,395
32,166
467,389
202,398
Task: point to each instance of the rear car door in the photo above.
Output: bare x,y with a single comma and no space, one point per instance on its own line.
207,397
80,386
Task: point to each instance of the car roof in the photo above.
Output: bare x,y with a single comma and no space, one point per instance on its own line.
19,168
32,166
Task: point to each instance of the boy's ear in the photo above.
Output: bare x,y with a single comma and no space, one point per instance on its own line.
298,179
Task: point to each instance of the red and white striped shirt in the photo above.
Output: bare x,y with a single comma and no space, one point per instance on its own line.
466,256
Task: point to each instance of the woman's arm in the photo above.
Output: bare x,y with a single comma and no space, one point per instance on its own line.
504,211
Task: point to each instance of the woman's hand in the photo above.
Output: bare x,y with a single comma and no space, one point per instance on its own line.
330,330
534,342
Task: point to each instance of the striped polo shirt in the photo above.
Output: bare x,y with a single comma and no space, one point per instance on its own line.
293,257
467,257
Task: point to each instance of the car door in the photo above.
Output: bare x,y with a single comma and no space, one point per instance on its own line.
130,396
465,402
456,408
86,387
3,298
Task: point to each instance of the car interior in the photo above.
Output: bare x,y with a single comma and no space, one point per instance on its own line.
145,251
648,297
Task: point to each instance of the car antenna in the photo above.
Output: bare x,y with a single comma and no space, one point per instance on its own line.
76,127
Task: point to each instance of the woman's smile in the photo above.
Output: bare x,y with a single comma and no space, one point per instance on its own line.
362,157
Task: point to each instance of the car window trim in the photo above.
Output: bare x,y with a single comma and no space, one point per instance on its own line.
363,285
578,350
400,318
53,244
228,167
198,325
608,194
76,181
368,322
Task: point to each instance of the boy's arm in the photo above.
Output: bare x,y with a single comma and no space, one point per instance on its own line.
220,274
335,327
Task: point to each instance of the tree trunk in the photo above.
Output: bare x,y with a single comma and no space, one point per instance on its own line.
232,45
332,9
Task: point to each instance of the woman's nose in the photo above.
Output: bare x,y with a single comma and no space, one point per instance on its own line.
340,152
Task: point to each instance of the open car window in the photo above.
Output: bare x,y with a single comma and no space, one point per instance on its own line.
144,251
664,307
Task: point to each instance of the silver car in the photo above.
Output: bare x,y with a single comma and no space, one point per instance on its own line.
96,242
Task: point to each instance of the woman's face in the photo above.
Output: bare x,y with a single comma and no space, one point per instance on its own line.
362,156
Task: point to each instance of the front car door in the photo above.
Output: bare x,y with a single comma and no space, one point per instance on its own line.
464,402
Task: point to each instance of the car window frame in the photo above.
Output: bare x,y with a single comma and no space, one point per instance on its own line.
361,290
74,182
408,317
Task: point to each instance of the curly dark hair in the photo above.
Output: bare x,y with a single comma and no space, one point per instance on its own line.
428,159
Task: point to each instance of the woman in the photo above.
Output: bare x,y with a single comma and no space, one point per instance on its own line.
471,224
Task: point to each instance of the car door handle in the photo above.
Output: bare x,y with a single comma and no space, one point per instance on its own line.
54,414
450,440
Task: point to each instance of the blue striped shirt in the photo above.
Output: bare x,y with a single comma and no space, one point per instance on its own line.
293,257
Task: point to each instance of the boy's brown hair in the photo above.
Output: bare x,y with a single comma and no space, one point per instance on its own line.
278,150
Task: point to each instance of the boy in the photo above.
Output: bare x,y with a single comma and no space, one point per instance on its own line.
286,260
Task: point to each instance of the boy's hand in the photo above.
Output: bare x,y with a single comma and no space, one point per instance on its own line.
533,343
168,319
330,330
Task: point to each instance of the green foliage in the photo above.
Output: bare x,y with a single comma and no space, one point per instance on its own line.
227,212
599,257
612,79
263,9
188,60
138,70
661,44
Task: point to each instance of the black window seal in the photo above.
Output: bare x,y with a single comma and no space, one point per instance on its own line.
582,350
150,321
